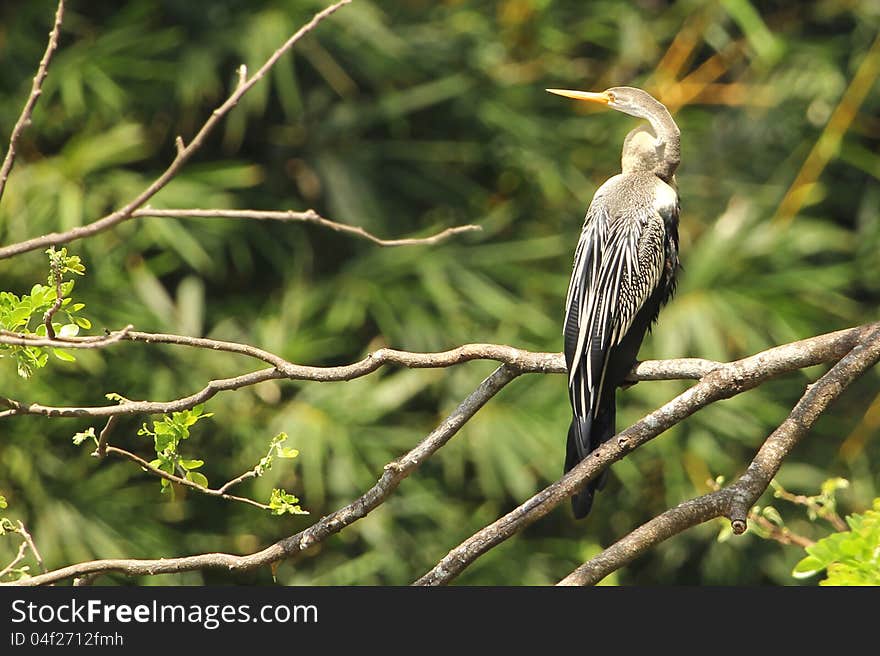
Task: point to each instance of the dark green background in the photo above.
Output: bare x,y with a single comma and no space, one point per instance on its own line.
405,118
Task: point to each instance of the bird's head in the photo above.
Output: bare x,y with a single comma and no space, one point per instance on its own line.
659,154
628,100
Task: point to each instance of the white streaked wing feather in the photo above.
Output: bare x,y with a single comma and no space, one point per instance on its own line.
610,289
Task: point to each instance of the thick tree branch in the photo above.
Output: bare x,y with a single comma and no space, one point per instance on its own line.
518,359
718,381
309,216
393,474
184,152
36,90
721,383
735,500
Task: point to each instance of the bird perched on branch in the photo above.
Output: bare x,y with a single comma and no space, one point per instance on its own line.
624,271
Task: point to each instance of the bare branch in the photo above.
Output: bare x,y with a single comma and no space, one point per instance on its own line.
251,473
26,543
29,339
36,90
125,212
309,216
101,449
29,540
141,407
720,383
15,561
735,500
393,474
518,359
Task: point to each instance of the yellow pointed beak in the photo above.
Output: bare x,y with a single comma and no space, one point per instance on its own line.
602,98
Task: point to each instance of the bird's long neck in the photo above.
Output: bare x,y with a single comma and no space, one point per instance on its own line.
668,142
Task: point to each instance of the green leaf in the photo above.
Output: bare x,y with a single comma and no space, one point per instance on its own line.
3,503
281,502
807,567
82,436
197,478
63,355
164,441
191,464
82,322
69,330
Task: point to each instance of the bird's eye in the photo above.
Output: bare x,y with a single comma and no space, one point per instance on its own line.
611,97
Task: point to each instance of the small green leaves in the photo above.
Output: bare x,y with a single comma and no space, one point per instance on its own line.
281,503
168,433
82,436
3,503
63,355
27,314
850,557
61,262
275,449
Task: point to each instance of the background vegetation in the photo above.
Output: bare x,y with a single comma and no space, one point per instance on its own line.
406,117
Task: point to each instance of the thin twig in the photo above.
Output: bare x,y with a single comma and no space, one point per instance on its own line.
122,453
183,154
30,543
101,449
251,473
15,561
57,279
36,90
780,534
393,474
828,515
96,341
308,216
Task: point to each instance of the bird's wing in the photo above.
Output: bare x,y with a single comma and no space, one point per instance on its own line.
618,264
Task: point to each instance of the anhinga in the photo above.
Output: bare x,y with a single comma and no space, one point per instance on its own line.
624,271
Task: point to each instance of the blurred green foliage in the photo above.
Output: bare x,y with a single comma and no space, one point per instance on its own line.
404,118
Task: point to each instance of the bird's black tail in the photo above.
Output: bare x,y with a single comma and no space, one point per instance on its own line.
584,436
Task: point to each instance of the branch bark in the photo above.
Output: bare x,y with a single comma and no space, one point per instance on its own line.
36,91
735,500
184,152
308,216
518,359
720,383
393,474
